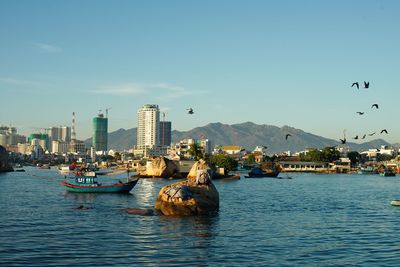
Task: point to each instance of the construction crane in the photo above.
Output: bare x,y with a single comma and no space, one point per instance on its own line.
107,109
164,114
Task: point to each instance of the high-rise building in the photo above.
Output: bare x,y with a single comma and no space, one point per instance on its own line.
100,133
62,133
148,130
9,136
165,133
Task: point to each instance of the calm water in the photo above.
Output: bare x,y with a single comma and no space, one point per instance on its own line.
311,220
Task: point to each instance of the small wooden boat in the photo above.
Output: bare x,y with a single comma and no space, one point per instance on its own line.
395,202
89,184
259,173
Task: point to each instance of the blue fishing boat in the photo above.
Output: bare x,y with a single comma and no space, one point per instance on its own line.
89,184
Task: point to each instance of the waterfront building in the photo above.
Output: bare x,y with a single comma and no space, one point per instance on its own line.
62,133
260,150
38,142
148,132
39,139
93,154
65,134
59,147
9,136
181,149
148,120
231,150
24,148
77,147
100,133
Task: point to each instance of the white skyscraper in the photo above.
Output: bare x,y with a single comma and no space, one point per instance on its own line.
148,119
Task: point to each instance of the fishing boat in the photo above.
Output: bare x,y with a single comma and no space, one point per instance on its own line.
89,184
387,173
367,170
259,173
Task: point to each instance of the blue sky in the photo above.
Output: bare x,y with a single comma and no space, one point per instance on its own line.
269,62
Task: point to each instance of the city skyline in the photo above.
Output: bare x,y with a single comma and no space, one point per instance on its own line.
270,62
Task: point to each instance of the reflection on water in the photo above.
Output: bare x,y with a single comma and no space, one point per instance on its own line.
311,220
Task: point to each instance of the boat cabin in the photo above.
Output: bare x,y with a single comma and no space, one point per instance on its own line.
86,180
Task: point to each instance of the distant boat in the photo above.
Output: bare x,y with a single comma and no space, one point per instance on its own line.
387,173
395,202
89,184
259,173
64,169
44,167
367,170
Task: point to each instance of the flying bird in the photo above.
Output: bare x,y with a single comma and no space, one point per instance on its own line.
364,136
356,84
355,137
384,131
190,111
366,85
343,141
371,134
375,105
360,113
287,135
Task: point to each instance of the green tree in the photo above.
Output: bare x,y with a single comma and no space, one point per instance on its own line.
250,158
195,151
354,157
329,154
117,156
224,161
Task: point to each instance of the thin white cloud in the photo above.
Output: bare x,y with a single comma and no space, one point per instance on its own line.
47,47
13,81
164,91
122,89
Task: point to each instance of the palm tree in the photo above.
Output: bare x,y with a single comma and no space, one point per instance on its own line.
195,151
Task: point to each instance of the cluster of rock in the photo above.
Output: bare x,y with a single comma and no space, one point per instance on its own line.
160,167
4,165
195,196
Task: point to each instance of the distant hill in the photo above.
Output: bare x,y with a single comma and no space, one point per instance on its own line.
120,139
247,135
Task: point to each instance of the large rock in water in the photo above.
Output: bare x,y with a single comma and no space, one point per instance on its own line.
200,165
4,165
160,167
191,197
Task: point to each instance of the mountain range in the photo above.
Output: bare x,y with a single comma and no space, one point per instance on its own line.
247,135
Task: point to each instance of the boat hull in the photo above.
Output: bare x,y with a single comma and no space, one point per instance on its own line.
395,202
387,174
113,188
262,175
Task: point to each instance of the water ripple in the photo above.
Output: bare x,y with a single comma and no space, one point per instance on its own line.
312,220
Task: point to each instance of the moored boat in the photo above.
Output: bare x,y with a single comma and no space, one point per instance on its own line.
89,184
367,170
395,202
259,173
387,173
